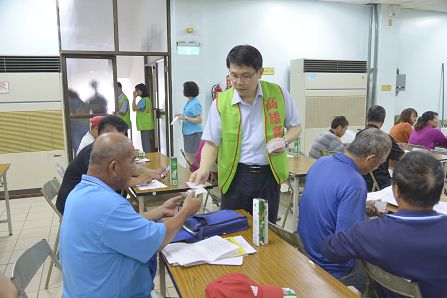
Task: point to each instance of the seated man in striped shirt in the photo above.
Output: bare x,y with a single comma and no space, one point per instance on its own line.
329,141
410,243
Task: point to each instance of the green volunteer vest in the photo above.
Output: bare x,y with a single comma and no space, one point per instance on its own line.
126,117
229,150
145,119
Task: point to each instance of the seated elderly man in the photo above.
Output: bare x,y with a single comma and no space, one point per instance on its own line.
329,141
410,243
334,199
105,245
79,164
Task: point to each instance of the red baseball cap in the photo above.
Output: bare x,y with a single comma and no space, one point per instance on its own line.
95,120
240,286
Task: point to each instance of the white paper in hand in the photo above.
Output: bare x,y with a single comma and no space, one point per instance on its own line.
274,145
174,120
197,188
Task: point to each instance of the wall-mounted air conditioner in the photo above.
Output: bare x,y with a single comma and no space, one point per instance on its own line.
324,89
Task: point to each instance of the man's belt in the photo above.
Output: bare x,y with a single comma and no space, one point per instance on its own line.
253,168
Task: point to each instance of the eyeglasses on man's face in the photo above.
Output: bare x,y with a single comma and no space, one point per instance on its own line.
243,77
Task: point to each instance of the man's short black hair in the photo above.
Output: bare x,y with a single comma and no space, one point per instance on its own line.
376,113
339,120
114,121
245,55
420,179
190,89
118,84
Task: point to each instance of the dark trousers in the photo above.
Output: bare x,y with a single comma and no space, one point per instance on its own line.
252,182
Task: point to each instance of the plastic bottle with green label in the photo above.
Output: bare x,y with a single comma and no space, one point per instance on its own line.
174,171
297,147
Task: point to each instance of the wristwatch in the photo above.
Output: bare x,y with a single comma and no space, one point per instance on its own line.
286,142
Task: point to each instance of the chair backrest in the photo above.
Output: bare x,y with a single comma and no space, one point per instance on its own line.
391,282
375,186
50,191
60,169
29,262
189,158
290,237
326,153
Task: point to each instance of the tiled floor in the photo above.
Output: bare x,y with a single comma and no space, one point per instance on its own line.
33,220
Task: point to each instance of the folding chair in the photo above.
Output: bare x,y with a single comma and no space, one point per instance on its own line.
189,158
50,191
391,282
29,262
214,192
60,170
290,237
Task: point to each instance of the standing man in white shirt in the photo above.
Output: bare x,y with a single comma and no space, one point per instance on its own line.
92,134
242,123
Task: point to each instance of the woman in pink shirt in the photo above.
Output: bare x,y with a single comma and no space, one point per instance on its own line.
425,132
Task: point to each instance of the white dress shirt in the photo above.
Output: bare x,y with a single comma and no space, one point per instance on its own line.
253,148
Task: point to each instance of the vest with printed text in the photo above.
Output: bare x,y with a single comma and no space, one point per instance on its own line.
229,151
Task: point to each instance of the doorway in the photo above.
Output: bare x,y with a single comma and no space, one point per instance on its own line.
90,80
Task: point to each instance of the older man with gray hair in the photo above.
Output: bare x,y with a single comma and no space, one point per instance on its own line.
105,246
334,199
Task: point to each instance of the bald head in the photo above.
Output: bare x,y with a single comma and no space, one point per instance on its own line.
110,146
112,160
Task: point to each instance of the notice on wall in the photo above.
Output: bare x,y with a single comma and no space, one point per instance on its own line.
4,87
269,71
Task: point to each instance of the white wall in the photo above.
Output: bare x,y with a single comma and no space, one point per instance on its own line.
29,28
422,49
282,30
388,46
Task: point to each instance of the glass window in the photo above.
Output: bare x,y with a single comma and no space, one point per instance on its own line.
90,86
86,25
142,26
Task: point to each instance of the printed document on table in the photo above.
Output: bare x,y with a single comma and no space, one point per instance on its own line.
386,195
205,251
244,247
151,185
142,160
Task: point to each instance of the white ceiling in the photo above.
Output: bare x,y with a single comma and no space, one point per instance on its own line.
436,5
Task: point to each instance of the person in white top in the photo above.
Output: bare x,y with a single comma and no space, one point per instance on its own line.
92,134
248,171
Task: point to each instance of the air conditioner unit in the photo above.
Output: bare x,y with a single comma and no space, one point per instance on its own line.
31,121
324,89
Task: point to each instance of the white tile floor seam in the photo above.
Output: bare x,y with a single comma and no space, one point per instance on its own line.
33,220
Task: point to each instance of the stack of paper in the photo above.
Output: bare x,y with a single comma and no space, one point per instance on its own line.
151,185
142,160
386,195
215,250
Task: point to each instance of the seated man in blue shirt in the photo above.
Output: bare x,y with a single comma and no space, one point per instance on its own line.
334,199
105,245
410,243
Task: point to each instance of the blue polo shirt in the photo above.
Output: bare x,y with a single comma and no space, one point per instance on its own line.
334,199
192,109
105,245
410,244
